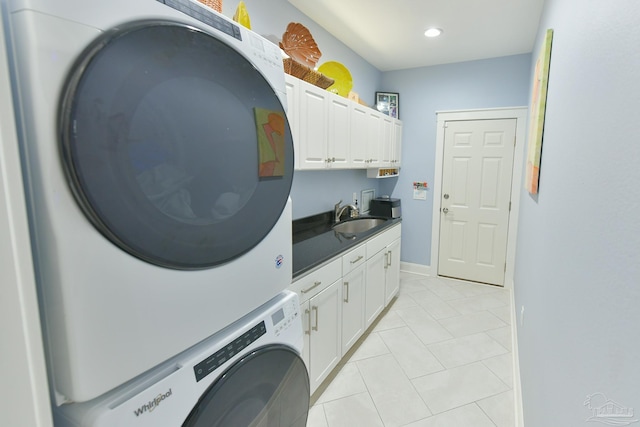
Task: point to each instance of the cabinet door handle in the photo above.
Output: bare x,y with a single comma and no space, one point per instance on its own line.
386,260
314,328
390,257
308,314
315,285
357,259
346,299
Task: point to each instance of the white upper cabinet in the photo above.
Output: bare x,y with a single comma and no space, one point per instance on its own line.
396,150
359,124
313,131
339,128
293,114
330,131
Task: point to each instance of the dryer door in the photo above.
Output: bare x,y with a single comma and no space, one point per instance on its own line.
267,388
176,147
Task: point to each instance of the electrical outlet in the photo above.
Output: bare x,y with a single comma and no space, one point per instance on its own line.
354,200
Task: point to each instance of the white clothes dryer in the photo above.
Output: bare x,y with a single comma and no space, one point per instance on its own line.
249,374
158,163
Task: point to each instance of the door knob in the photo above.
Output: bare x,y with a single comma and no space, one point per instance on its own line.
445,210
446,196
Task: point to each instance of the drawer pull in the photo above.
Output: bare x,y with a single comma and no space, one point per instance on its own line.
346,299
357,259
314,328
315,285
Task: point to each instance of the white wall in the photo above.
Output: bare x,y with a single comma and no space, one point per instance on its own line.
491,83
578,255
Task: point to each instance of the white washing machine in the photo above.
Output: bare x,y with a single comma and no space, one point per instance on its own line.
249,374
158,163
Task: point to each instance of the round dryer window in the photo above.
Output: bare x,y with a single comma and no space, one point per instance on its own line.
176,147
268,387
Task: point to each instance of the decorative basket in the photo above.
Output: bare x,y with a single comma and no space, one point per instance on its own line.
213,4
295,68
318,79
307,74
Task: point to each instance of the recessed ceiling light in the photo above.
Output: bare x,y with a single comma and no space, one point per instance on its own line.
433,32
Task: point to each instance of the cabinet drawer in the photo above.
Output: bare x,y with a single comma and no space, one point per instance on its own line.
379,242
314,282
354,259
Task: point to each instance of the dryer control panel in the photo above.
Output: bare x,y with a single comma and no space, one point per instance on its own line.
285,316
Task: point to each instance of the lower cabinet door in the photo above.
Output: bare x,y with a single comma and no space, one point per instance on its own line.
353,294
375,290
325,349
392,283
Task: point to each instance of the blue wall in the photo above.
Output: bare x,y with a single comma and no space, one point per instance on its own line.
577,271
491,83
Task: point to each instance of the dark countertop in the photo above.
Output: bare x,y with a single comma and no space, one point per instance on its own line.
314,242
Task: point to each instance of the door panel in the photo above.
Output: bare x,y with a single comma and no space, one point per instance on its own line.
476,193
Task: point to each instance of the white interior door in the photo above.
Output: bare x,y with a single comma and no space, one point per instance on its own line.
476,194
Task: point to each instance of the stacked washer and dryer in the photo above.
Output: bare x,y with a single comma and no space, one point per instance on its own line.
158,163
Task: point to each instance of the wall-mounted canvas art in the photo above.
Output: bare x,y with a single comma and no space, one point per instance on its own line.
536,114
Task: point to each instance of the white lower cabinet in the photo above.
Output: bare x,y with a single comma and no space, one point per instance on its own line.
374,301
383,272
341,299
320,294
323,332
392,272
353,296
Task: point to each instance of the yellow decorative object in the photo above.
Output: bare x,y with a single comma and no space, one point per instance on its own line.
242,16
338,72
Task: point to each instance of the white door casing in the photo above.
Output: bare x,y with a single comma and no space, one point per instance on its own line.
476,194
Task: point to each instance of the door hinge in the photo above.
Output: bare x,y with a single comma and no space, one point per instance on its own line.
505,267
509,206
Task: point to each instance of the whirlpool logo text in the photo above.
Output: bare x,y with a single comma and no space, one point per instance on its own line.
153,404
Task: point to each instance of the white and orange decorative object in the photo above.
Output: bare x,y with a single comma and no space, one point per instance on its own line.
303,55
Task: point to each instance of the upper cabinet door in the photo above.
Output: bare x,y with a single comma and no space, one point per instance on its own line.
293,111
359,124
397,144
374,139
313,128
338,141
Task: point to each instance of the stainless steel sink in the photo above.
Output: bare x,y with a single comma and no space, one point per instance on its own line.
358,225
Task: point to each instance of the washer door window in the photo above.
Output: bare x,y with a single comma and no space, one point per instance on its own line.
177,149
267,388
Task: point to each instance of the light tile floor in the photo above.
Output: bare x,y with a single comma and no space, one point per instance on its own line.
440,356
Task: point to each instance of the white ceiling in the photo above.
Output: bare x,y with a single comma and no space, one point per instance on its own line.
389,34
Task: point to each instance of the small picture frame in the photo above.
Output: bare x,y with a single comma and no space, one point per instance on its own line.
388,103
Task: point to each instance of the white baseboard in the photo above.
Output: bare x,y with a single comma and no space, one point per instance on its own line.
408,267
517,385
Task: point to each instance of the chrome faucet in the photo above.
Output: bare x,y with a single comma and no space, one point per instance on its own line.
338,211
